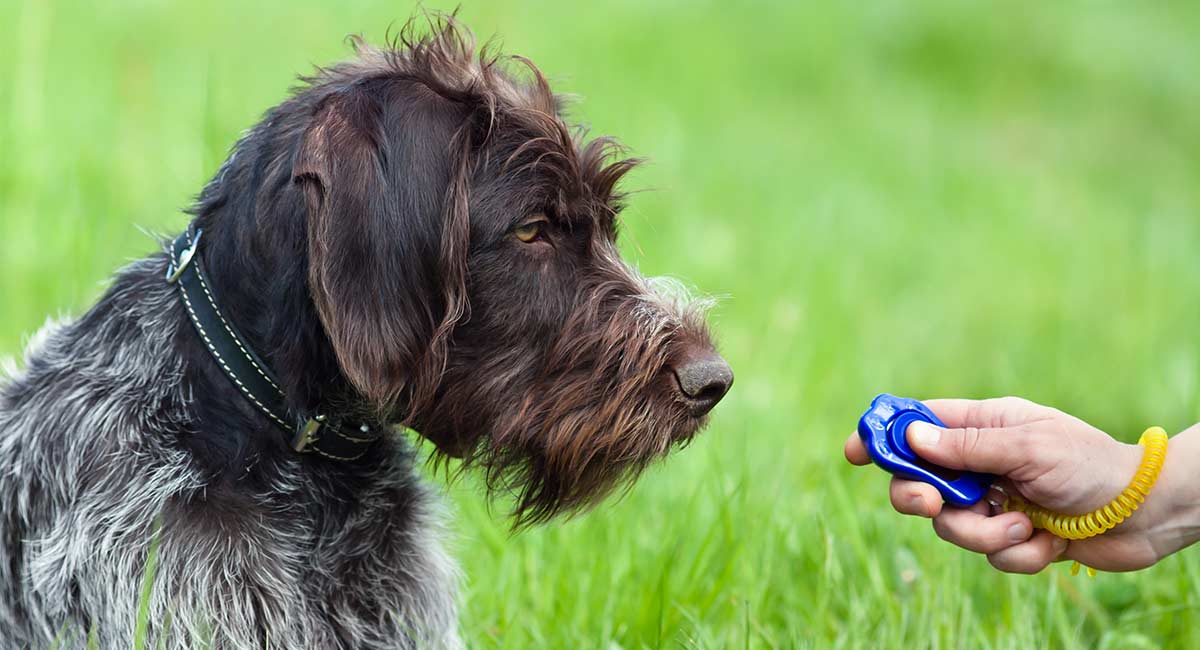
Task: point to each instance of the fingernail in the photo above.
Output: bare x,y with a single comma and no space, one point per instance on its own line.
1059,545
1018,533
924,434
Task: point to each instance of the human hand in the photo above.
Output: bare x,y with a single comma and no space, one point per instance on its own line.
1056,461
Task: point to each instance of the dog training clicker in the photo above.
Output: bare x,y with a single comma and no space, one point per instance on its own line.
883,429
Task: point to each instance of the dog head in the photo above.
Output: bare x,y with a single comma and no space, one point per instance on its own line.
462,261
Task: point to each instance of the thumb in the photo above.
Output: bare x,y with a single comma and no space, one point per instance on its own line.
992,450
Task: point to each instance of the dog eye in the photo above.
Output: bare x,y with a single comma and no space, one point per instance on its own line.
530,230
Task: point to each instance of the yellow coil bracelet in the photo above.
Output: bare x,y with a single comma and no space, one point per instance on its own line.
1101,520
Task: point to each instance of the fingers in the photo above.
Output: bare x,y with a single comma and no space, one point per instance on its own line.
995,413
915,498
1031,556
972,529
984,435
993,450
855,452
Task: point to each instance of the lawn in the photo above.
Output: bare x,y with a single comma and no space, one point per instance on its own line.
929,199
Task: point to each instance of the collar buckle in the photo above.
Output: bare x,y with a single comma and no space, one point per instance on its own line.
176,268
309,433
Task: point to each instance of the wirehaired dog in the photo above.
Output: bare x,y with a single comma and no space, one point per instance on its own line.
414,238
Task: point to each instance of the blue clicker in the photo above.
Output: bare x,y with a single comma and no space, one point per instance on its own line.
882,429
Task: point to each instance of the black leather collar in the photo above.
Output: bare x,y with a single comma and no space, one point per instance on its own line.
316,433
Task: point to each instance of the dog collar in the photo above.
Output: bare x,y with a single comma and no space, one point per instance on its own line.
316,433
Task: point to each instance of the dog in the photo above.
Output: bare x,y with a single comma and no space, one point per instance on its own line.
414,241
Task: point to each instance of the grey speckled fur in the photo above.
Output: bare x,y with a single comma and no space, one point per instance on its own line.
88,464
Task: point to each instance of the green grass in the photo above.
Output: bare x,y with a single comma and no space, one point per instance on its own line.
931,199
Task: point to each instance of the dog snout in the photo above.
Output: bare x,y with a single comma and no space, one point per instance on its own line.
703,377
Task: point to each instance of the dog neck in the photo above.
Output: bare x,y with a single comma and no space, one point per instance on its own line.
329,435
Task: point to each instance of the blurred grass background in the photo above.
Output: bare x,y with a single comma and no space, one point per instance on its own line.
931,199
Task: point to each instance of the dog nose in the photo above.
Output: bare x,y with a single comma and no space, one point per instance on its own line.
704,378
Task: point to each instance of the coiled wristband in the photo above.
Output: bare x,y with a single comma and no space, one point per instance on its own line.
1103,519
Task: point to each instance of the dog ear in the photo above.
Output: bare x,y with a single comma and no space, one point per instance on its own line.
386,229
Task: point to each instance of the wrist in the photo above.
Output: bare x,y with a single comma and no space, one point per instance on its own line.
1174,502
